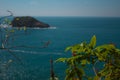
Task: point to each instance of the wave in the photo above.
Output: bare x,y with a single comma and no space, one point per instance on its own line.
43,28
5,26
35,52
8,26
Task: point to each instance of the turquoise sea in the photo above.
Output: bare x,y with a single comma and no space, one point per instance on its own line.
34,63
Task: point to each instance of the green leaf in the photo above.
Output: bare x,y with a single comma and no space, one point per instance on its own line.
61,60
12,31
107,78
17,19
100,58
93,42
70,74
68,48
105,47
75,48
84,62
24,28
90,78
96,78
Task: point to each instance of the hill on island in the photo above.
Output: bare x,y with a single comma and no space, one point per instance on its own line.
28,21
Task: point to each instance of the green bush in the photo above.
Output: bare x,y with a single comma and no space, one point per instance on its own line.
85,54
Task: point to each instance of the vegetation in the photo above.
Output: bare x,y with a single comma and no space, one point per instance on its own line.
7,38
84,55
88,54
7,35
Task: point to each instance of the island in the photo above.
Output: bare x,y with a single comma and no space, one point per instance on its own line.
28,21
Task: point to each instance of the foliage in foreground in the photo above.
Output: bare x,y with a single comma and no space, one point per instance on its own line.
88,54
8,37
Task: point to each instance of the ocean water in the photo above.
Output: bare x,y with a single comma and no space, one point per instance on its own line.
34,61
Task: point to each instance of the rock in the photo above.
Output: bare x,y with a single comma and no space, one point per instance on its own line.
27,21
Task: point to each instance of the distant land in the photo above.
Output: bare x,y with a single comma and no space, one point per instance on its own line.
28,21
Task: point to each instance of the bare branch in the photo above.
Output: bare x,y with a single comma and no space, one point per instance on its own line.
17,58
11,14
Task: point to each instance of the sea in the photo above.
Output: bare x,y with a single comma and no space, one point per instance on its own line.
33,49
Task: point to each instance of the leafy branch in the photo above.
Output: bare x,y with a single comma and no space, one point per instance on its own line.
85,54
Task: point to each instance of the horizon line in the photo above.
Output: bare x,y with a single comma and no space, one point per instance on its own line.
67,16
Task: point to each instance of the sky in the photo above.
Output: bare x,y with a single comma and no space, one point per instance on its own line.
94,8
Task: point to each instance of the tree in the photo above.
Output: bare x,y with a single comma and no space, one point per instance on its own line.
85,54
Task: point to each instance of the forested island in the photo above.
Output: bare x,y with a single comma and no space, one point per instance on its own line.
28,21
